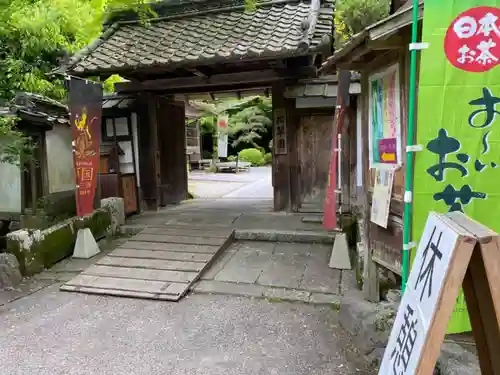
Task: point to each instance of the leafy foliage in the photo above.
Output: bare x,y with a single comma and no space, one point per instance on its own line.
252,120
353,16
249,118
252,155
268,158
14,145
34,36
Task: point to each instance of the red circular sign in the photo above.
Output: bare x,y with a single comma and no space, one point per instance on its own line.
472,42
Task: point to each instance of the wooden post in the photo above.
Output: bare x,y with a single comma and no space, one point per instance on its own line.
293,155
154,144
281,164
134,159
34,195
370,283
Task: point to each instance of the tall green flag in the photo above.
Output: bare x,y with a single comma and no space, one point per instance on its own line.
459,119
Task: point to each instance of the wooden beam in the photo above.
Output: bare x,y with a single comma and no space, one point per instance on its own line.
391,43
197,72
251,77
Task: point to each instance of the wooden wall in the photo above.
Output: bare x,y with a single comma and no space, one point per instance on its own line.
384,245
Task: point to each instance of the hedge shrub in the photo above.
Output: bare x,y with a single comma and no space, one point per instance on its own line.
253,156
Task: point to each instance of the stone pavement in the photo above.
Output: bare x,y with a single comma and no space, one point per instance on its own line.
287,271
255,182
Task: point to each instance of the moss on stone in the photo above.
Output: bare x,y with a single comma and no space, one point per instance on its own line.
37,250
57,245
99,223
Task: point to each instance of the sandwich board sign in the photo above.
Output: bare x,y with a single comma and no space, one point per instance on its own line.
454,251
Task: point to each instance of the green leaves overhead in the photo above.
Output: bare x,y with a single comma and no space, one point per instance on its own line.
353,16
36,34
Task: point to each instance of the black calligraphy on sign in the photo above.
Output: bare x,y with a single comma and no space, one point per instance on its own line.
445,145
455,199
442,146
488,103
280,131
405,342
430,254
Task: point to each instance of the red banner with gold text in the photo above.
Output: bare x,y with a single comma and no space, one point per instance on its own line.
85,105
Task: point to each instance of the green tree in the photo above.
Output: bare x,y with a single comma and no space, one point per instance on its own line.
353,16
210,112
14,145
248,118
250,121
34,36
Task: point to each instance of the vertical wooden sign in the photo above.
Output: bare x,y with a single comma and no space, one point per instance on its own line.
453,250
280,143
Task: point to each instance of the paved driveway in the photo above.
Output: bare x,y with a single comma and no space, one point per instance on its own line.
255,183
55,333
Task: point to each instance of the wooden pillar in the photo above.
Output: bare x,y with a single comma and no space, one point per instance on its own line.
284,138
149,155
293,155
172,143
370,273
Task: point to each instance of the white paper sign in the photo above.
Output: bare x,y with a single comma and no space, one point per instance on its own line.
222,145
381,198
419,302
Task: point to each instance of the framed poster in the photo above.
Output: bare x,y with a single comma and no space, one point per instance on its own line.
384,118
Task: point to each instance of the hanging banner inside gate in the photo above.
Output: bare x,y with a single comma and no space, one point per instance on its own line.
458,118
222,136
85,106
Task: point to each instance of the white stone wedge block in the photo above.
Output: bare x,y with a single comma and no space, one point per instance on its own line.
340,253
86,246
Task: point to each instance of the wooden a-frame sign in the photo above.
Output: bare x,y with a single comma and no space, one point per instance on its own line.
454,251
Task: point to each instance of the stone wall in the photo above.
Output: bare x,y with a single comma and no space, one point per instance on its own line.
37,249
370,325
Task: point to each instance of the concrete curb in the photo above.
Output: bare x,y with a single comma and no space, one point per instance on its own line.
262,291
284,236
259,235
132,229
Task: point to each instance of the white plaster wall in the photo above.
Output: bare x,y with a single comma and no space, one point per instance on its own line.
136,147
10,188
60,159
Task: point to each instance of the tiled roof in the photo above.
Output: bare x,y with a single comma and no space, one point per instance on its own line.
198,34
37,110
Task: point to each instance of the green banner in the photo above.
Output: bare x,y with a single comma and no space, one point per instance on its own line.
459,118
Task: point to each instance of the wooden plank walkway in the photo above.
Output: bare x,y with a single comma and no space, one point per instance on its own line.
161,262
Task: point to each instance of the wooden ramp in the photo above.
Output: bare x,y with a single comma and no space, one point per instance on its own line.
161,262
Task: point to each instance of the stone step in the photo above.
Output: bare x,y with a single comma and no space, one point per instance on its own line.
320,237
